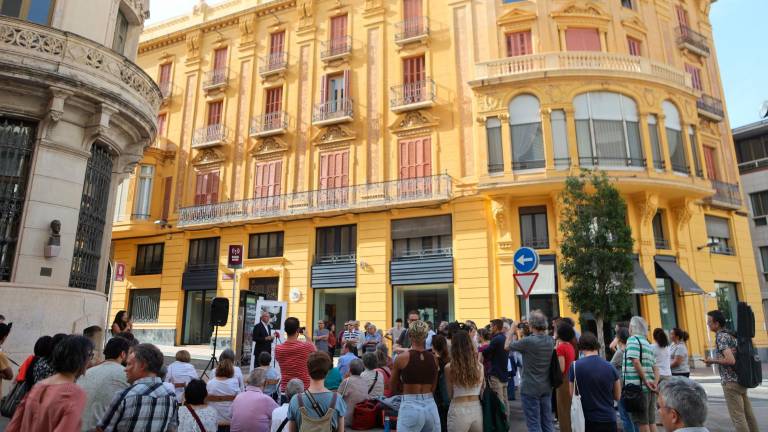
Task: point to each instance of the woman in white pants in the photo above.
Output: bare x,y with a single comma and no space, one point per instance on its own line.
464,376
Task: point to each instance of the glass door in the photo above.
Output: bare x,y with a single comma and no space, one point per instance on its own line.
335,305
433,302
197,317
667,307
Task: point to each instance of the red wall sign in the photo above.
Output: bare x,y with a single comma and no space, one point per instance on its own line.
235,256
119,272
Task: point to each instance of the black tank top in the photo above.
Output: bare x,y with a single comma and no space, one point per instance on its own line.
421,368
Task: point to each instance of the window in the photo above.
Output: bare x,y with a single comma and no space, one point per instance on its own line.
335,93
727,302
143,201
413,21
495,153
764,261
121,200
525,130
627,4
334,178
121,33
682,17
415,158
264,245
719,235
203,253
220,59
695,151
607,130
674,132
519,43
560,139
658,231
338,42
214,113
695,76
759,203
149,259
273,106
277,43
418,237
653,132
264,287
414,79
90,225
145,305
161,122
533,227
634,46
17,140
752,149
207,188
582,39
336,241
709,161
36,11
268,177
164,79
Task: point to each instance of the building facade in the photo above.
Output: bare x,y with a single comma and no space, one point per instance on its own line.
75,115
751,143
374,157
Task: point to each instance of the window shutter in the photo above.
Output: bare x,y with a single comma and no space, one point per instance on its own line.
268,175
165,74
695,76
423,157
415,158
214,113
213,188
274,100
161,118
324,163
200,189
277,42
411,9
717,227
346,94
709,159
167,188
682,17
324,89
634,46
413,70
344,169
519,43
338,29
220,59
582,39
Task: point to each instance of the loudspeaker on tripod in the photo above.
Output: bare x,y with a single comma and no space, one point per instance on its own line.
219,311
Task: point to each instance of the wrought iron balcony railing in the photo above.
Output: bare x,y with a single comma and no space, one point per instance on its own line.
413,95
693,40
412,29
612,162
710,107
216,78
335,259
722,249
360,198
267,124
681,168
273,63
530,164
334,111
748,166
659,164
336,48
726,194
536,243
209,136
424,253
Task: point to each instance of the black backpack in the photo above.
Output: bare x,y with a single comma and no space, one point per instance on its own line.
748,368
555,374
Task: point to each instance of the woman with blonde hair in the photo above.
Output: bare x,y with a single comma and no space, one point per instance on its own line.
464,375
415,377
222,390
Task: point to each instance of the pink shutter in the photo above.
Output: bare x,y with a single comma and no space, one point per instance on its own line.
161,118
582,39
214,113
277,42
268,176
519,43
634,46
346,94
411,9
324,162
220,59
414,70
415,158
324,89
165,74
695,76
334,169
212,190
200,188
338,31
709,159
343,168
682,17
274,100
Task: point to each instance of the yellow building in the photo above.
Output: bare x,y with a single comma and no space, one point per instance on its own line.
376,156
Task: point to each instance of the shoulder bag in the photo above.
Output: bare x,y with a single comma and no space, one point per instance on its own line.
196,417
632,394
578,422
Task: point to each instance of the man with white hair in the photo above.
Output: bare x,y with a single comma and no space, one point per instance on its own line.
639,368
280,414
682,405
252,409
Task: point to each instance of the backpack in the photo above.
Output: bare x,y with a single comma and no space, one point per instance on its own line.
323,423
555,374
748,368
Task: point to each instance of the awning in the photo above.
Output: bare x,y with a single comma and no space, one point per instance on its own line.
642,285
669,266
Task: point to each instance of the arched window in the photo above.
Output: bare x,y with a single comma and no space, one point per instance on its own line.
674,132
607,130
525,130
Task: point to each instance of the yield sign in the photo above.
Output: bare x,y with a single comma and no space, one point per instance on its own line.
525,282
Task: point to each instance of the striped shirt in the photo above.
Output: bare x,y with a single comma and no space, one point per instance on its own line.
292,357
144,406
634,346
350,335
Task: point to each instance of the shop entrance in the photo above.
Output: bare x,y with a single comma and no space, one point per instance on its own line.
258,289
433,302
335,305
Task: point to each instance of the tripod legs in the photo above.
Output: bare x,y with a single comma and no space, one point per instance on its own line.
213,361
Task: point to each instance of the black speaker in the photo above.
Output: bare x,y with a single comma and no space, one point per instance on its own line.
219,311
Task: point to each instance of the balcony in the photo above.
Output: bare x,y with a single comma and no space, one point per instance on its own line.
662,243
166,90
609,162
274,64
535,243
274,123
336,49
693,41
332,112
576,63
209,136
752,165
422,266
412,96
722,249
360,198
411,30
216,79
334,271
710,107
681,168
727,195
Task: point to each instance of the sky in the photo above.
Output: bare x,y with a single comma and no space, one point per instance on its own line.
741,50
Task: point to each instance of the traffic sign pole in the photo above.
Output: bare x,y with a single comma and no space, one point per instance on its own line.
234,261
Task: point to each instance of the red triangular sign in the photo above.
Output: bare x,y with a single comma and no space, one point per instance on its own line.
525,282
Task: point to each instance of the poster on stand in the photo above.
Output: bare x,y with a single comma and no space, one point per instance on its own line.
277,313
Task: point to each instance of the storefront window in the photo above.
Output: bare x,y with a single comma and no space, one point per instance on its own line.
197,317
546,303
727,300
434,302
668,312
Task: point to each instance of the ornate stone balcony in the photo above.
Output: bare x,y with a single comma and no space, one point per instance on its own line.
412,30
693,41
332,112
577,63
710,107
209,136
268,124
360,198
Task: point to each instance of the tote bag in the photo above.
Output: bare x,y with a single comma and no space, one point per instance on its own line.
578,423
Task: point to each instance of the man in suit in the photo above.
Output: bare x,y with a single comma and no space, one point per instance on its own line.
262,335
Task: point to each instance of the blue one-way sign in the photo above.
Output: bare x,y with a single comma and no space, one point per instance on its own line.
526,260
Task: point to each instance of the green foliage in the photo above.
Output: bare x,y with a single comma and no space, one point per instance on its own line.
597,246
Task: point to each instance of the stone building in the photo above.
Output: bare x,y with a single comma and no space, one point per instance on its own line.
75,115
376,156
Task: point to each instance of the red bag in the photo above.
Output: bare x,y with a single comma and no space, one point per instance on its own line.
366,416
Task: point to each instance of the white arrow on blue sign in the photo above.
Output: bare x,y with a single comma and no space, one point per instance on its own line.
526,260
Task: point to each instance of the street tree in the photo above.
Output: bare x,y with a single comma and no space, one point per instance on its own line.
596,249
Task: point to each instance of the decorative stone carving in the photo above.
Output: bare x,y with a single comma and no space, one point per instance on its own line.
413,122
333,135
488,103
306,10
247,27
269,147
684,212
207,156
647,206
193,45
56,104
499,217
516,16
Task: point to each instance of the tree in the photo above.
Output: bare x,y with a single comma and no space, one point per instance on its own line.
597,248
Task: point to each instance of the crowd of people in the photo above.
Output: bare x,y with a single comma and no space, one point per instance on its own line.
456,377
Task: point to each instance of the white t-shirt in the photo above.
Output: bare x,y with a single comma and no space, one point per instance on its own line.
662,360
207,417
226,387
278,415
239,378
180,373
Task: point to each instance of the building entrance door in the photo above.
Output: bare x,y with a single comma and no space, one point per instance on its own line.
335,305
433,302
197,317
248,316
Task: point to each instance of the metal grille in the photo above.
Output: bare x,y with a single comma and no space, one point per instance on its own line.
16,144
145,305
90,226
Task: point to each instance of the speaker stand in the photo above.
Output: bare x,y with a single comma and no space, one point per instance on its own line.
213,361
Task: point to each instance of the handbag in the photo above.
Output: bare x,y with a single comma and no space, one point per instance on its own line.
12,400
578,422
632,394
555,374
366,415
